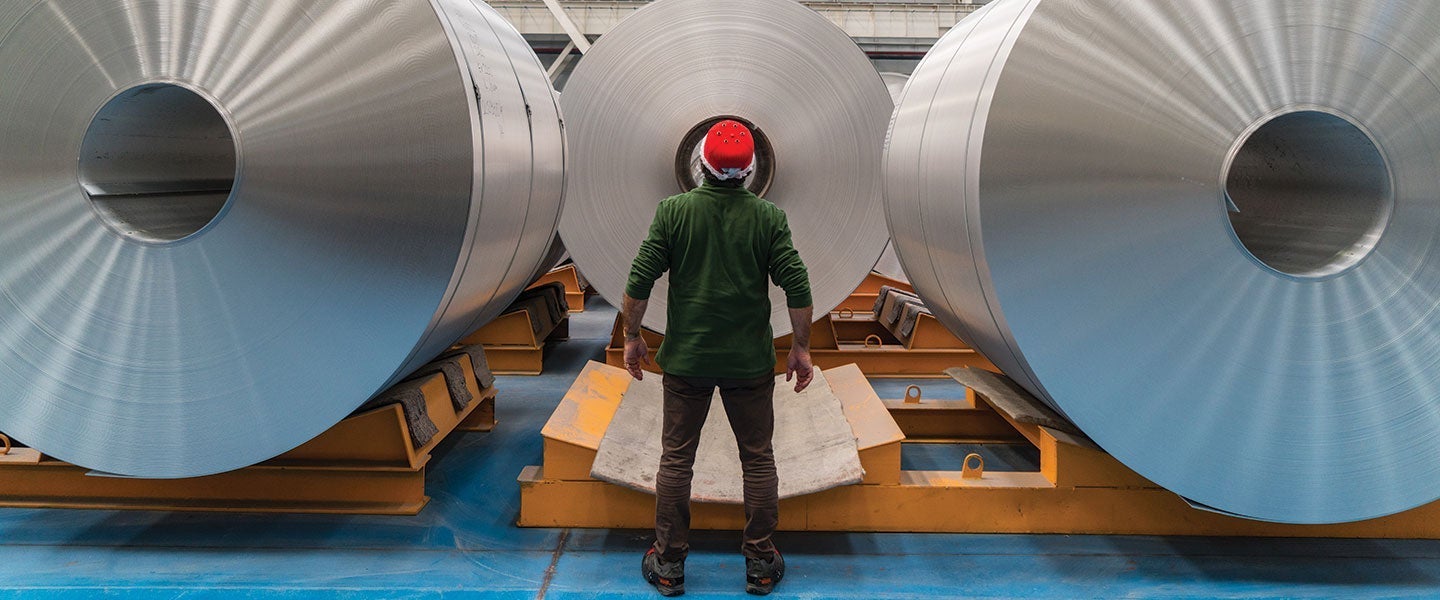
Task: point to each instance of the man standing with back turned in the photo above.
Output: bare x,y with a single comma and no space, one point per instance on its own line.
720,244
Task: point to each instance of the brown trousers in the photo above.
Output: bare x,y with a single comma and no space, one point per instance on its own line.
750,407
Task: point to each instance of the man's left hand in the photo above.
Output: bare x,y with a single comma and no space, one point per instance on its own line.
801,369
637,353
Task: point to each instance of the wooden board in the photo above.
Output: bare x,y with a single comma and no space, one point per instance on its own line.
578,424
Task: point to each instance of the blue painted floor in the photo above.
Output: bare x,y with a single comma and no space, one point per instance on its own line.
464,545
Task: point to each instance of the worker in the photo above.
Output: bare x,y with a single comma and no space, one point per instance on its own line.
720,243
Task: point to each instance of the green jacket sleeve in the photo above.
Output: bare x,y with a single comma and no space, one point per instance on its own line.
653,259
786,268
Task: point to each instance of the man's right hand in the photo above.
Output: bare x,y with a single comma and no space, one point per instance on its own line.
637,353
800,369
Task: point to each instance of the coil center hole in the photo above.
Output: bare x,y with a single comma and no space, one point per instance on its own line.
158,163
1309,194
690,171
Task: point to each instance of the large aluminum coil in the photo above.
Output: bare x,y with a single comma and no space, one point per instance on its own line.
1205,231
554,257
895,83
889,263
280,208
556,254
666,71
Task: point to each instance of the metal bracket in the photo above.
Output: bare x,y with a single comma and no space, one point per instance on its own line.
913,394
977,471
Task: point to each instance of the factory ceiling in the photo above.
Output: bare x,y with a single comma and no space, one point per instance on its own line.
893,23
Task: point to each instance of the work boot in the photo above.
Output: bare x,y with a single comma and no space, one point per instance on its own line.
761,574
667,577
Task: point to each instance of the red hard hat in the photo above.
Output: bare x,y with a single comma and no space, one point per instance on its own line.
729,150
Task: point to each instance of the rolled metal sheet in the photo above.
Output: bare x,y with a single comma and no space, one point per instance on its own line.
894,83
554,257
673,66
280,209
557,254
889,264
1205,231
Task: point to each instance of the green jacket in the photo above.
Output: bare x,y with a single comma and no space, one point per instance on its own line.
722,246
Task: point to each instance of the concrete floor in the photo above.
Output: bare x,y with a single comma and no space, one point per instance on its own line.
465,544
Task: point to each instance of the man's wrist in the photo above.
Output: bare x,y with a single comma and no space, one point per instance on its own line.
632,335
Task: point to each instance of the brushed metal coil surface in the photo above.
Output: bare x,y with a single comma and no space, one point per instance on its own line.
889,263
676,64
280,209
557,254
1205,231
894,83
554,257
